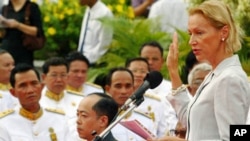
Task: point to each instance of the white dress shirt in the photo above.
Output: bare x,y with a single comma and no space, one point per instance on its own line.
170,14
97,36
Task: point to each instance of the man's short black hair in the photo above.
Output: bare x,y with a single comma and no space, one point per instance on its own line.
129,61
19,68
105,106
54,61
154,44
75,55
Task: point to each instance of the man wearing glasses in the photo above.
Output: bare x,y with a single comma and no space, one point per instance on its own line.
54,95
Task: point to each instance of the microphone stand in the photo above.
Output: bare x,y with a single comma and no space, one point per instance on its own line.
135,103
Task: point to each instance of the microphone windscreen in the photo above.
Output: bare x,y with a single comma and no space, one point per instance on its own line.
154,78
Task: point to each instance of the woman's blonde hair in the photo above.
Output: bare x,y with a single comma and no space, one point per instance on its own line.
219,15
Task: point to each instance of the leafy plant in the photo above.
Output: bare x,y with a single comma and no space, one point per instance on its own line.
128,37
120,8
61,22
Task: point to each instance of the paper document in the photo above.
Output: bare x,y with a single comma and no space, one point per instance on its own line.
136,127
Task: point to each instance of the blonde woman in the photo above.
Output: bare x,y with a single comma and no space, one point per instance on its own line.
224,96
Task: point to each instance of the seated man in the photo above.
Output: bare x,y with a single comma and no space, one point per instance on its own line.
7,101
165,119
54,95
31,121
120,85
94,114
78,73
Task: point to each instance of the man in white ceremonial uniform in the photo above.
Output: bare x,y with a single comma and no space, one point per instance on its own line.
7,101
30,121
153,105
120,86
77,75
152,51
54,95
94,36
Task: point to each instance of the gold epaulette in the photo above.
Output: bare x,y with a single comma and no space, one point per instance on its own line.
6,112
94,85
74,92
152,96
142,113
53,110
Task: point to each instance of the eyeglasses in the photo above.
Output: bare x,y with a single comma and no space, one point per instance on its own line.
54,76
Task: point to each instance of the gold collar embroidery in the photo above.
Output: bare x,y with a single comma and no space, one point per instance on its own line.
74,89
29,115
56,97
127,115
5,86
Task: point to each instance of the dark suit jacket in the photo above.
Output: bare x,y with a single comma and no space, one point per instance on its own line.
108,137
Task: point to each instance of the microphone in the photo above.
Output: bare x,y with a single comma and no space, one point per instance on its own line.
152,80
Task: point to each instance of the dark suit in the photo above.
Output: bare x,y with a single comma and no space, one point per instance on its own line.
108,137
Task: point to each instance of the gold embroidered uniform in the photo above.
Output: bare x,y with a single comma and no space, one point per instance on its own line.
162,91
154,106
21,125
66,104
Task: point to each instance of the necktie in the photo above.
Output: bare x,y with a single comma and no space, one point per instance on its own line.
85,31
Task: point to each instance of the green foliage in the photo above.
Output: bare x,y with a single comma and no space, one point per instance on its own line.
120,8
62,23
128,37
